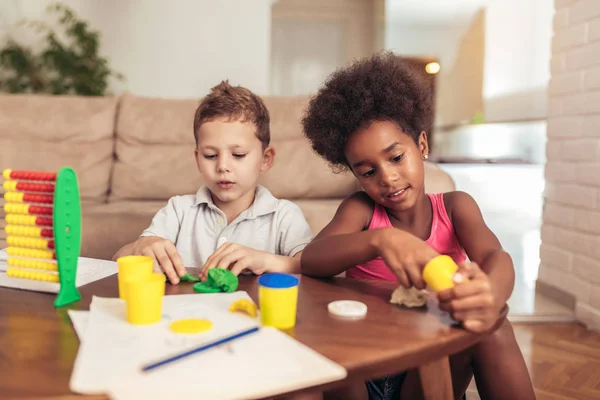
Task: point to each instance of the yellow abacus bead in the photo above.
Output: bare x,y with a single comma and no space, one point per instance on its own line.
6,174
16,230
10,208
26,274
31,253
15,219
32,264
14,197
30,243
10,186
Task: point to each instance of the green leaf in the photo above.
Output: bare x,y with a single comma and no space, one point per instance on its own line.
72,66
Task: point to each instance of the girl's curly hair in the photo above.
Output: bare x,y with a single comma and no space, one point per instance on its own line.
380,88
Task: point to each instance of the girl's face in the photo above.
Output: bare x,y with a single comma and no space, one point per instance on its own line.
388,164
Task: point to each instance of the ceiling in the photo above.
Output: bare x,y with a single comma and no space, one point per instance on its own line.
432,12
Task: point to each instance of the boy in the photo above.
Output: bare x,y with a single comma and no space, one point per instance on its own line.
231,222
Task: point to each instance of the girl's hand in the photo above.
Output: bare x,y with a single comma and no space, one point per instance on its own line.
405,255
472,302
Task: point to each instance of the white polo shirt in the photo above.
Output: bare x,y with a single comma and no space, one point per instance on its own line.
197,227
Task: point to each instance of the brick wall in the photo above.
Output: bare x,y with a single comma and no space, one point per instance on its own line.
570,252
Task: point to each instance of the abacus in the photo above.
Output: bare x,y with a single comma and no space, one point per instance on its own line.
43,228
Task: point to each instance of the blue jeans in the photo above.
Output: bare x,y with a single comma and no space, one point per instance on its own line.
388,388
385,388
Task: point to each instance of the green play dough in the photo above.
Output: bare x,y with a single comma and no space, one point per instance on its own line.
223,278
203,287
189,278
219,280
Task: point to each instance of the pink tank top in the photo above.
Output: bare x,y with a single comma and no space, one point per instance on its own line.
442,239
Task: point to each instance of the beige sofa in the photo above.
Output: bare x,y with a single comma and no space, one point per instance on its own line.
132,153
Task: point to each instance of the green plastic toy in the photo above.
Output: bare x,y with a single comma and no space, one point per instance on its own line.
219,280
67,234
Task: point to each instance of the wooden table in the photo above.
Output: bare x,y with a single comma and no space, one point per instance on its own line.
38,344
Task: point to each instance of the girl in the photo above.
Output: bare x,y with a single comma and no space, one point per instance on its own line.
372,118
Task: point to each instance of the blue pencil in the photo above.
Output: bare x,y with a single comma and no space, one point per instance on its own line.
198,349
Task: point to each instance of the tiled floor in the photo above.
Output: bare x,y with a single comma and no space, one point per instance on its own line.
510,198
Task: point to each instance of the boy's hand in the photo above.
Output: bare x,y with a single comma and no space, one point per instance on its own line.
164,253
236,258
405,254
473,302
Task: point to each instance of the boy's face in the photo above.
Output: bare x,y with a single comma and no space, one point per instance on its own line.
230,158
388,164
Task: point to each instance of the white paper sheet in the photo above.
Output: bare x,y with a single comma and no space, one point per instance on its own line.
221,301
261,364
113,347
88,270
79,319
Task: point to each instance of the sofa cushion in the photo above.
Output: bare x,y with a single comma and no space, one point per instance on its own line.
155,152
154,149
108,227
437,180
44,133
298,172
318,213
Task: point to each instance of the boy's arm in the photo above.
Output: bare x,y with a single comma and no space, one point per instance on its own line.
157,241
165,224
293,234
124,251
284,264
481,244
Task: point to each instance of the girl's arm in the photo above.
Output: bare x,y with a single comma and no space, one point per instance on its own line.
343,243
481,244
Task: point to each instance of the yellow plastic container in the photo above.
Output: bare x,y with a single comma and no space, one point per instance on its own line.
439,273
132,267
145,298
278,300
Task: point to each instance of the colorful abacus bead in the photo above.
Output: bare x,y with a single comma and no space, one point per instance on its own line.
26,209
19,197
31,253
13,186
32,264
30,220
29,175
28,231
35,275
30,243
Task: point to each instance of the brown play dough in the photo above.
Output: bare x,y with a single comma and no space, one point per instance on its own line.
412,297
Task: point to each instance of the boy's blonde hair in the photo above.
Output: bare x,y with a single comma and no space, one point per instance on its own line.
237,104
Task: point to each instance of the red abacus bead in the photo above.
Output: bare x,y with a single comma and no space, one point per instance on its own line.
40,210
50,176
33,175
38,198
51,244
35,187
47,233
43,221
